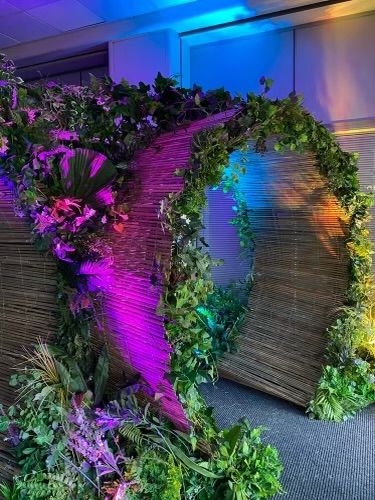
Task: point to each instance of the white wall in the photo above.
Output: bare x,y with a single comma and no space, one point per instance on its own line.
334,66
140,57
238,64
332,63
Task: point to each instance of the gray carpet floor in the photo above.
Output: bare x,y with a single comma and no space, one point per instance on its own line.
322,460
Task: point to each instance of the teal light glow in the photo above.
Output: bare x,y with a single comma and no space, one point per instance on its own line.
247,29
165,4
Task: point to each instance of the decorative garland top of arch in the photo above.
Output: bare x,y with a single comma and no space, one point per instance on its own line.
66,149
347,380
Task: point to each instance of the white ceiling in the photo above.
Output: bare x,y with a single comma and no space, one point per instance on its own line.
27,20
23,21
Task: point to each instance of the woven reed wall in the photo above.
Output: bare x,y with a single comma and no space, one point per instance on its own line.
27,301
300,273
300,265
142,254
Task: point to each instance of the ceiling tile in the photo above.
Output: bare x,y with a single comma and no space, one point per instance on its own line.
6,41
29,4
7,8
65,15
24,28
111,10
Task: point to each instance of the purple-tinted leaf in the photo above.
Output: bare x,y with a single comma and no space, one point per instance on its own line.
98,273
103,469
87,175
95,267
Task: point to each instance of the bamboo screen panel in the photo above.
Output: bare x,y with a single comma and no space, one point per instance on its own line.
142,254
27,300
300,275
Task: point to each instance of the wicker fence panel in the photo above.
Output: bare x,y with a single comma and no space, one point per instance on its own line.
27,300
300,277
141,252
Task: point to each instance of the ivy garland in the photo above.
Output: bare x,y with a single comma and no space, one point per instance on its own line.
43,130
347,381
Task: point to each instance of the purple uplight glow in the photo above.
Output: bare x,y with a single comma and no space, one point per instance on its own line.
103,197
139,334
131,305
98,274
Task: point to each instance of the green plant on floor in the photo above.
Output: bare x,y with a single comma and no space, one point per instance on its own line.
68,445
242,453
341,393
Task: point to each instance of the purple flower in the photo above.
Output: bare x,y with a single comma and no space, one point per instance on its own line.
64,135
61,249
120,493
30,114
150,121
86,215
106,422
101,100
44,155
44,222
13,434
3,145
13,98
19,211
90,442
118,120
3,83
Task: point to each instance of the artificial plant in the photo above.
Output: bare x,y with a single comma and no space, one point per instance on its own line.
53,139
66,151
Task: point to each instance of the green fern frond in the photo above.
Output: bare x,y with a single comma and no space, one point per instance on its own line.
132,433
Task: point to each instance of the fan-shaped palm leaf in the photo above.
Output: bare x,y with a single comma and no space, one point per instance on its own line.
87,175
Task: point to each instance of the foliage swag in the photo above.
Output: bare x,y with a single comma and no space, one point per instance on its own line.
81,440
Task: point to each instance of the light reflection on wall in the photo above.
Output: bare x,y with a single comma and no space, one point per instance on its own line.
333,64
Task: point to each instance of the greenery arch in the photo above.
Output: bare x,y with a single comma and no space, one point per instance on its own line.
347,381
41,123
